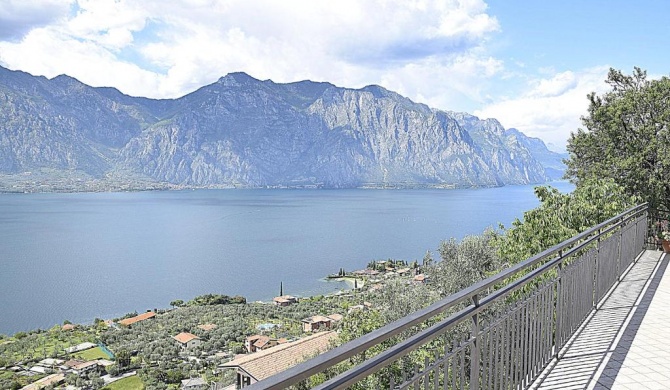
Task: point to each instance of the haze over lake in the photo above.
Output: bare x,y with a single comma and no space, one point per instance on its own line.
80,256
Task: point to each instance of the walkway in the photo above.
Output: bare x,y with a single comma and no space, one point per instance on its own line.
111,379
625,344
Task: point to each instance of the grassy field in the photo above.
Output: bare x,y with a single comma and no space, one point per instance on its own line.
131,383
41,345
6,374
92,354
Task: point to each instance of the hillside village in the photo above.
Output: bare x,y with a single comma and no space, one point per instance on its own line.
195,346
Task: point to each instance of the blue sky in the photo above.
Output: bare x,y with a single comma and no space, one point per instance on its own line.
578,34
529,64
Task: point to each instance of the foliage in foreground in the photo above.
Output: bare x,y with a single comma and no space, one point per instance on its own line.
562,216
559,217
627,137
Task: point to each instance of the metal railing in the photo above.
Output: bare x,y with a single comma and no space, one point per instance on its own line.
496,334
659,221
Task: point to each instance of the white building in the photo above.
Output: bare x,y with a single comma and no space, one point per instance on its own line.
187,340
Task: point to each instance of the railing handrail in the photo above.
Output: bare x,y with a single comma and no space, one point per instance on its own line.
330,358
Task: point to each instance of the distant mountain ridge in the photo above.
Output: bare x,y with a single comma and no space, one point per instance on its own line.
552,162
61,134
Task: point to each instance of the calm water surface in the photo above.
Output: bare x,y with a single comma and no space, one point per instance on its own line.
87,255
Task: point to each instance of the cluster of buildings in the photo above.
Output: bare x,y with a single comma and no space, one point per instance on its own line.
376,277
265,356
57,369
73,366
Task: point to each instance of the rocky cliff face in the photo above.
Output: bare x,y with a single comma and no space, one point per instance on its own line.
552,162
504,153
62,124
245,132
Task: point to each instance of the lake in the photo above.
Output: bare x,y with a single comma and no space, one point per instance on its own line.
85,255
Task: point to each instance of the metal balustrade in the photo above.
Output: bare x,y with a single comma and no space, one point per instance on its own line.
497,334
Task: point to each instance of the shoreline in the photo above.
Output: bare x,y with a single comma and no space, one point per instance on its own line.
36,315
350,280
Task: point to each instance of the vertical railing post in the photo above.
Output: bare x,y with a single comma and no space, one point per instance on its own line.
646,219
646,231
559,305
597,270
475,351
639,231
650,220
618,262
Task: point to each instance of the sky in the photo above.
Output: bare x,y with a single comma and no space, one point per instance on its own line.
530,64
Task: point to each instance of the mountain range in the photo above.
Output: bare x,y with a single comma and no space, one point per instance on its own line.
61,134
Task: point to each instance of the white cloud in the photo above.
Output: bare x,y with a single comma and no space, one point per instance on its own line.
108,23
444,84
558,85
551,107
45,51
427,49
433,51
17,17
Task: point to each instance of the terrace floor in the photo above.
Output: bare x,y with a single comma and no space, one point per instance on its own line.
626,343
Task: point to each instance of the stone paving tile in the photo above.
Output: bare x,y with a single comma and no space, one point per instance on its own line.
645,347
626,343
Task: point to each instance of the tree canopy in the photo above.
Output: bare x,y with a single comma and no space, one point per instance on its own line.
627,137
215,299
561,216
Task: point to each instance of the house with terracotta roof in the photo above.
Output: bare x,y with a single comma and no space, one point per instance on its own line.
207,327
420,278
187,340
285,300
133,320
85,367
258,343
402,271
80,367
258,366
317,323
70,364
